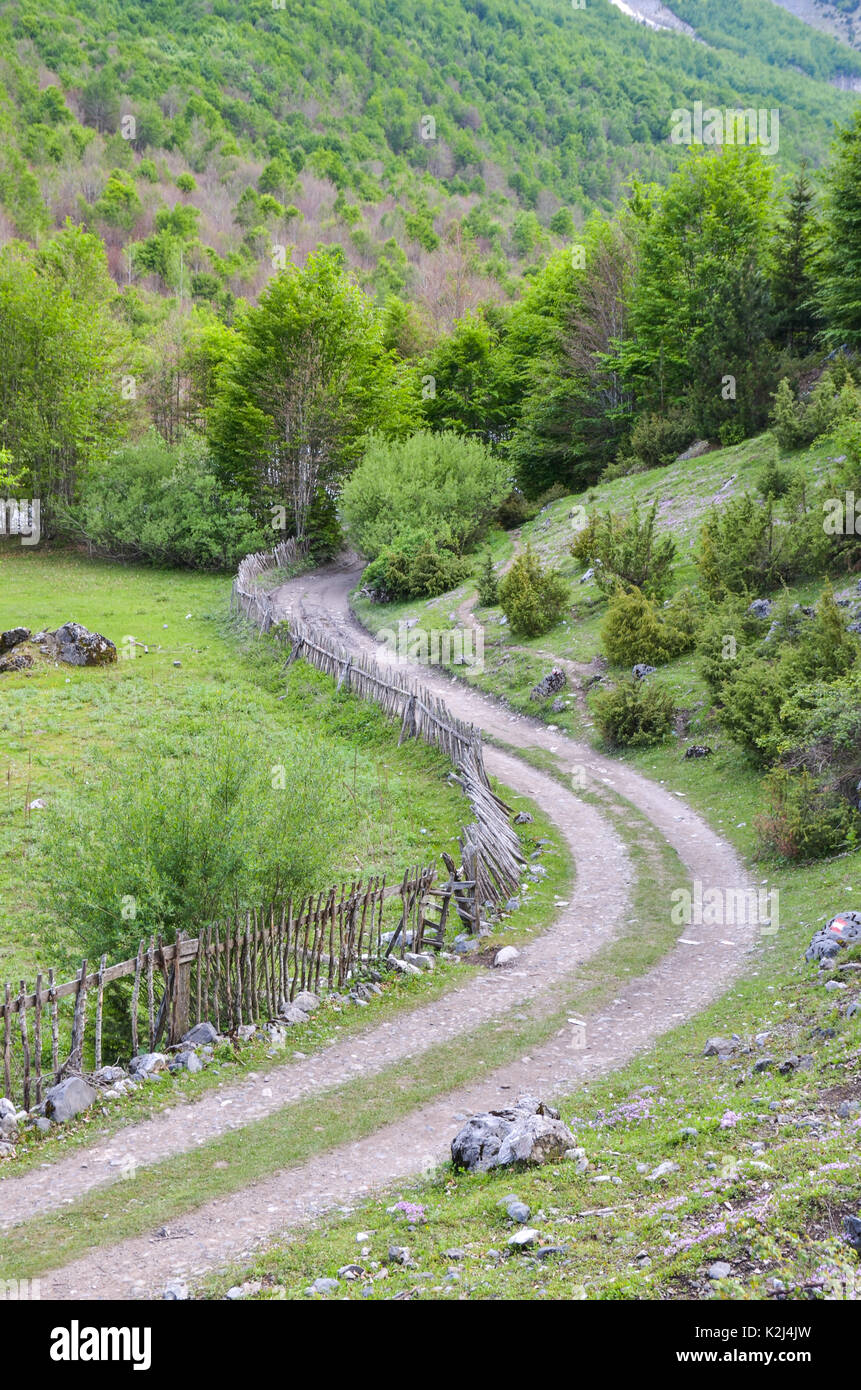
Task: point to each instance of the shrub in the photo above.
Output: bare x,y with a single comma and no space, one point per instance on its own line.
488,584
532,598
514,510
445,485
797,423
627,549
416,568
774,481
804,820
658,439
165,506
636,630
177,837
634,714
747,546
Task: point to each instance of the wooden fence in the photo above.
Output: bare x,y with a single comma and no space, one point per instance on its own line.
241,971
490,849
247,596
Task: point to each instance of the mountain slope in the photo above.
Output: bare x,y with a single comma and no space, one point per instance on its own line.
402,131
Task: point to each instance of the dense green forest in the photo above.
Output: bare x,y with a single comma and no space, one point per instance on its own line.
460,140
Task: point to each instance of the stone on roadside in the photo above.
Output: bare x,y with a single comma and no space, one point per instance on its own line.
200,1034
528,1132
147,1064
68,1098
292,1014
307,1001
506,956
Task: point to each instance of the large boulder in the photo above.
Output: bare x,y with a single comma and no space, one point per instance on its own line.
15,661
550,685
77,646
68,1098
200,1035
147,1064
528,1132
843,930
12,637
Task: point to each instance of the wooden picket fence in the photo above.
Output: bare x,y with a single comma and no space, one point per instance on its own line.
241,971
247,596
490,849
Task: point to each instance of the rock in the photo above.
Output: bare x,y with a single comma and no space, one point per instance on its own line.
513,905
147,1063
307,1001
853,1008
7,1107
521,1240
552,683
186,1061
720,1047
528,1132
291,1013
763,1064
8,1128
422,961
641,670
69,1098
323,1286
852,1227
15,661
523,818
12,637
844,929
847,1108
698,750
558,705
43,1124
77,646
200,1034
663,1170
108,1076
590,574
694,451
404,966
719,1270
350,1272
760,608
398,1255
506,956
516,1210
462,944
176,1291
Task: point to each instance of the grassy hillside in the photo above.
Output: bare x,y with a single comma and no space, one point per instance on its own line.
431,143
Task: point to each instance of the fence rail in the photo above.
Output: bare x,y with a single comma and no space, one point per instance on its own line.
239,971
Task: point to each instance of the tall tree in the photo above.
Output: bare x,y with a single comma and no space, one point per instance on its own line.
63,352
840,296
308,376
699,312
796,248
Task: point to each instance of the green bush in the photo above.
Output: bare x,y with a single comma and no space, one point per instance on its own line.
804,820
627,550
164,505
416,568
797,423
446,486
488,583
774,481
532,598
636,630
514,510
634,714
747,546
178,837
659,439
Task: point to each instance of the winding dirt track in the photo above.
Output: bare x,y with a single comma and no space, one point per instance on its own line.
697,969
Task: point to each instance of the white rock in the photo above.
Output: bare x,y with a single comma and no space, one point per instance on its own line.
506,956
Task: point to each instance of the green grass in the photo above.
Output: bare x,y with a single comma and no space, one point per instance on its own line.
55,724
